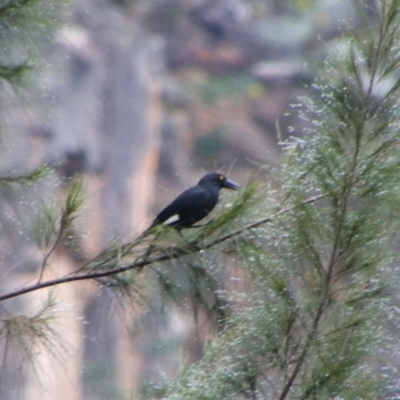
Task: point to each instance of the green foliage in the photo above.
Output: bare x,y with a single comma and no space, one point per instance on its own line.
24,179
22,24
188,279
73,202
309,320
15,74
24,337
45,227
313,320
52,222
26,21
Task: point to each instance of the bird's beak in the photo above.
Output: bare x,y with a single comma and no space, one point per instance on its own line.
230,185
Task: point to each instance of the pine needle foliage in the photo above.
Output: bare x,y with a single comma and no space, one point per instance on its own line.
313,321
55,221
54,225
7,179
22,24
24,337
314,324
191,276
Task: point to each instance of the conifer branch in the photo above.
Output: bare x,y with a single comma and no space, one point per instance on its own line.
192,248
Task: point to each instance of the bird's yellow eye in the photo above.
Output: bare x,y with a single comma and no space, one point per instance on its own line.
221,177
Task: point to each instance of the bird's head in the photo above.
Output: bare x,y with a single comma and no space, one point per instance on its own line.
219,180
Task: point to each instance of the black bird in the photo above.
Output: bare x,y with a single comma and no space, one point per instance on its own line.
194,203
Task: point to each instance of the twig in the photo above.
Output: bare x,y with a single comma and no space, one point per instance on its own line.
50,252
176,253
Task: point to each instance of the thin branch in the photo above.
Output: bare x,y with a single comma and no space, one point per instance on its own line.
304,352
50,252
376,59
176,253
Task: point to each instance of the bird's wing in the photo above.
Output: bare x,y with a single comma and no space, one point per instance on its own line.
193,201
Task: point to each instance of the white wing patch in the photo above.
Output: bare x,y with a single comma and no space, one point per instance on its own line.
172,219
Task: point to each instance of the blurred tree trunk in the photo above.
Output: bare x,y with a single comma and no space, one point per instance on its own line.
109,129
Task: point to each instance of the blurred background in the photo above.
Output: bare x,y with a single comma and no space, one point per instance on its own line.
144,97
